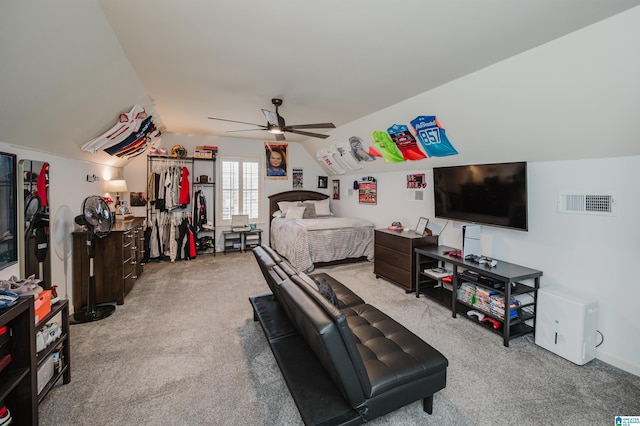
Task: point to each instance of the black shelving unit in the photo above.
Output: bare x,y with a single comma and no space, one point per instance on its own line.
197,167
18,380
65,372
508,277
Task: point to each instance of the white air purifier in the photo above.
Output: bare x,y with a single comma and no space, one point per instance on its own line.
566,324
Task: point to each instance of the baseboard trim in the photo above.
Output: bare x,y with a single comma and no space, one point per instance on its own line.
623,365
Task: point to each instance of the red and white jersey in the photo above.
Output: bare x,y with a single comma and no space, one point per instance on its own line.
127,123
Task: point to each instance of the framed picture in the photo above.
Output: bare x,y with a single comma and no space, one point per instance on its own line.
336,189
368,191
323,181
297,178
276,160
137,199
421,227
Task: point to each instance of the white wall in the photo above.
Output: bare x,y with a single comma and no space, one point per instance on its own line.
588,254
136,171
583,87
68,187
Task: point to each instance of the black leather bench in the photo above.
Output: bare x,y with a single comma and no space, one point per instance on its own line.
345,363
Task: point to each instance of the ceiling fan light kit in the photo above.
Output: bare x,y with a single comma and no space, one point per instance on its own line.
277,126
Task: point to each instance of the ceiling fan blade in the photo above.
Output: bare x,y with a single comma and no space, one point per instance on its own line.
234,121
248,130
272,117
312,126
314,135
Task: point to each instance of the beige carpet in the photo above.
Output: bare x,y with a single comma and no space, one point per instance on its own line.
184,350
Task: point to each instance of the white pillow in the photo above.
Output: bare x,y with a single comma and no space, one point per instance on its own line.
322,207
295,212
284,205
277,213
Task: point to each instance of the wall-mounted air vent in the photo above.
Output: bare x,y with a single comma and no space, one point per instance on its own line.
587,204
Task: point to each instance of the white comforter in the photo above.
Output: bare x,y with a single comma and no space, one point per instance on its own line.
307,241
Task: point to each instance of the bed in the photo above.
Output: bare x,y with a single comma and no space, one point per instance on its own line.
316,239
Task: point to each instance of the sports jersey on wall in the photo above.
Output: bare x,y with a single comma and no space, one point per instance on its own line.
432,136
386,147
406,143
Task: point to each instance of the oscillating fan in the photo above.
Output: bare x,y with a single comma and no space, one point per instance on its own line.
97,218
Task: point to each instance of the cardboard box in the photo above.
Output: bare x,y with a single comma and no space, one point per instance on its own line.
42,305
198,153
45,373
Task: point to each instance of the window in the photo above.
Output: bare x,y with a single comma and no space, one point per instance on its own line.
240,191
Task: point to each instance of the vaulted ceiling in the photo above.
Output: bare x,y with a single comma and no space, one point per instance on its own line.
70,67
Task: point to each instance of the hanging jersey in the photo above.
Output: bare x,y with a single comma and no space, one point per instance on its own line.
42,185
343,152
127,124
146,127
359,149
432,136
185,190
406,143
387,148
326,158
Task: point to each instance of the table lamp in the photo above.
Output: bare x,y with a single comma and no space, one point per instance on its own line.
117,186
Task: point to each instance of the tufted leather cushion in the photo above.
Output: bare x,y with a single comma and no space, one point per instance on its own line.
391,354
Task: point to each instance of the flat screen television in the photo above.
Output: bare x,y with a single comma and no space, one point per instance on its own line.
487,194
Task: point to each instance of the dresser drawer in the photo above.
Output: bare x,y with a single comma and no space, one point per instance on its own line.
391,272
396,242
401,260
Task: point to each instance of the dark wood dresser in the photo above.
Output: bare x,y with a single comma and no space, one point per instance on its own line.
116,264
394,256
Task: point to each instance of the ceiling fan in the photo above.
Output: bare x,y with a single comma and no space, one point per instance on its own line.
277,127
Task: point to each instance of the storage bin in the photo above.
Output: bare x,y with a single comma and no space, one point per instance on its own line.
45,373
42,305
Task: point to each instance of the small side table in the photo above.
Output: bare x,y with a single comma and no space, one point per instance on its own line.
232,241
251,239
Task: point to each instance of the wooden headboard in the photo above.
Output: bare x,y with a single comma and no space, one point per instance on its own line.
296,195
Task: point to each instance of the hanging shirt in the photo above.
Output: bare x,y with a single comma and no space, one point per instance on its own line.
387,148
405,142
185,190
42,184
432,136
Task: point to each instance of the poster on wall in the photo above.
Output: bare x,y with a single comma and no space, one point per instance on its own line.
336,189
368,191
416,181
297,178
276,160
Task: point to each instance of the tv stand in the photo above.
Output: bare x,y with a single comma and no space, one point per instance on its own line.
504,280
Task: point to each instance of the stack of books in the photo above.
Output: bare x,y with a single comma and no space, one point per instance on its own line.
498,307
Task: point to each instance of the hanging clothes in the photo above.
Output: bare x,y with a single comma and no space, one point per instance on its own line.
42,185
185,188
